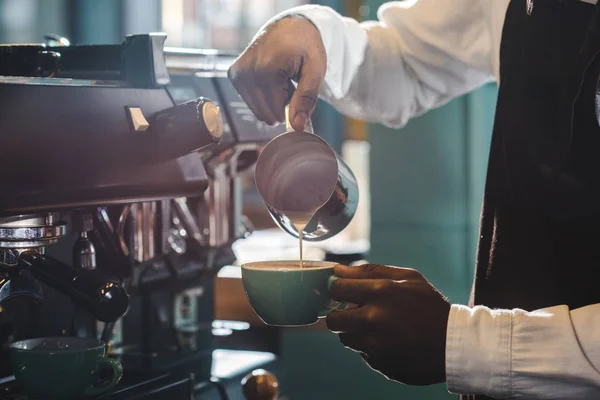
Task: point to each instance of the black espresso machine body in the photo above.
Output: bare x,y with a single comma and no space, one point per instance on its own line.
120,170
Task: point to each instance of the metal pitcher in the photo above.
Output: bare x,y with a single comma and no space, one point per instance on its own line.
299,174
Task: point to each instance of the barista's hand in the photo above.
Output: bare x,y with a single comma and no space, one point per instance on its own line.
291,48
399,326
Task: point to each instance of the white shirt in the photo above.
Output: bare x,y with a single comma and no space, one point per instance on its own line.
417,56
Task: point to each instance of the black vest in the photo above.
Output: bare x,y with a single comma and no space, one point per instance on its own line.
540,224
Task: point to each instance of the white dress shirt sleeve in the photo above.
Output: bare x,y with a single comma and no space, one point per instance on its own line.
417,56
553,353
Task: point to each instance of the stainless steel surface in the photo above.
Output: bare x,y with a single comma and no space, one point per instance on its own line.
220,203
288,124
119,232
84,253
299,174
224,198
597,102
185,59
149,212
104,218
28,220
21,234
144,225
27,231
188,221
165,226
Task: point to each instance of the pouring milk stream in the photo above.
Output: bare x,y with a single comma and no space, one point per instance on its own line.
308,189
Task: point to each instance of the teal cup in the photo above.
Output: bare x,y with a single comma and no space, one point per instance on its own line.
62,367
284,294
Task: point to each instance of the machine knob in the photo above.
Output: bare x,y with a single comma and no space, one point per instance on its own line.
188,127
212,119
260,385
105,299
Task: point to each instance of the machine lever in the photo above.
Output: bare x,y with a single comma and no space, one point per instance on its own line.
105,299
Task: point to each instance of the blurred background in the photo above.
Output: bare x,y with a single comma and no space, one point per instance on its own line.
421,188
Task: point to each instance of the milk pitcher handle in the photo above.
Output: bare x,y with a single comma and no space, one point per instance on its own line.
288,125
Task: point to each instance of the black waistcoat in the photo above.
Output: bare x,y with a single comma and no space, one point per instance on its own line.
540,225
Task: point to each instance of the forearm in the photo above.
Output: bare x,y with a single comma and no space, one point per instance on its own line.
402,65
552,353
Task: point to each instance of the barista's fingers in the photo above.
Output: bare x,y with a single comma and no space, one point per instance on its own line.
374,271
250,100
358,342
345,321
276,92
358,291
264,106
304,99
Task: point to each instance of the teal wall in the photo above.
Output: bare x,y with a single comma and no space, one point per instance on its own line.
318,367
427,183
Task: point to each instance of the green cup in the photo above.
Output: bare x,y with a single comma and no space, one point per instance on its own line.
283,294
62,367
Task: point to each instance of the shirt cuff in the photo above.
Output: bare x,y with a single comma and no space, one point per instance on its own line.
478,351
324,18
342,64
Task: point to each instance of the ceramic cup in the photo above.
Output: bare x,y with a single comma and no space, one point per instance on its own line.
62,367
283,294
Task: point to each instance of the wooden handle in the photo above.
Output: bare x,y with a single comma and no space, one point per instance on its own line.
260,385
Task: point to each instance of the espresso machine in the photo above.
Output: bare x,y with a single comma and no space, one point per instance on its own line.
121,200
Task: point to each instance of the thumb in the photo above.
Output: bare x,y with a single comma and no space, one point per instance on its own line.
305,96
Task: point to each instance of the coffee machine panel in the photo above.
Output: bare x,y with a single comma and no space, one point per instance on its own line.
122,199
